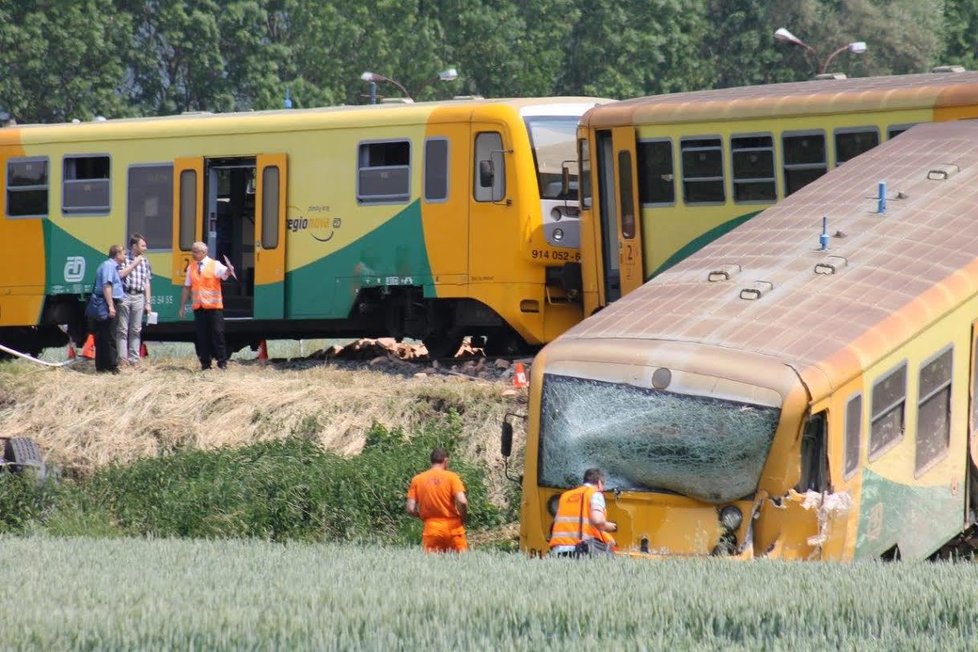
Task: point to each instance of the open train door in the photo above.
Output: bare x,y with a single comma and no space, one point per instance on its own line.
632,270
270,212
188,213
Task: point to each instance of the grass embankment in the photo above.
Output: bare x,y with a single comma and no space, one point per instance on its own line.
277,451
138,594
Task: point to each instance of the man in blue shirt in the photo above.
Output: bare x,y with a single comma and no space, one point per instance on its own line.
108,282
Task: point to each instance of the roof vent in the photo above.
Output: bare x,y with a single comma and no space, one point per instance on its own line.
949,69
724,273
756,291
942,172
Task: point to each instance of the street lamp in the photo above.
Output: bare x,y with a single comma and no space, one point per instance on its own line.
856,47
373,78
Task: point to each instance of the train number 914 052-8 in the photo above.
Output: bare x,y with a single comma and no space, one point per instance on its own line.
555,254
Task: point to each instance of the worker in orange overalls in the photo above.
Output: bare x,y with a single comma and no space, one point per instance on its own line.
437,497
581,526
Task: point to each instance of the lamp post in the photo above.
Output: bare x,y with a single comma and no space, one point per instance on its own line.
856,47
373,78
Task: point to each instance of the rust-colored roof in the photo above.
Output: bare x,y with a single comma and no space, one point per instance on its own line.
796,98
894,272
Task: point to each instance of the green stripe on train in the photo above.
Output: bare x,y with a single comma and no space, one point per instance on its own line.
698,243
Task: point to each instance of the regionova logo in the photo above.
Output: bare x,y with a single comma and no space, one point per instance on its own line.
315,221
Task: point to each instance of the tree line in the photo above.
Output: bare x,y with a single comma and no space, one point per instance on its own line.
77,59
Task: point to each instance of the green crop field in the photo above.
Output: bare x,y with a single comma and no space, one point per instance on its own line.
179,594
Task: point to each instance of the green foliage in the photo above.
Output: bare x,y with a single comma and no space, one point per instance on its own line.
280,490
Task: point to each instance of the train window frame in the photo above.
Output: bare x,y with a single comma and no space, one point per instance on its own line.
789,168
35,188
815,472
853,435
687,179
69,180
155,237
852,131
772,179
878,412
892,131
945,388
433,174
392,180
647,196
482,147
626,194
271,192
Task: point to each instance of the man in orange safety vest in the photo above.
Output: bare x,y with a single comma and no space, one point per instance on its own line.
203,284
581,526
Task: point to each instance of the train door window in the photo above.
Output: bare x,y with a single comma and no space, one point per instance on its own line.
753,168
934,410
584,175
86,185
384,172
270,189
625,197
889,399
150,204
850,143
490,167
188,208
814,455
804,159
854,431
436,169
27,187
702,160
895,130
656,177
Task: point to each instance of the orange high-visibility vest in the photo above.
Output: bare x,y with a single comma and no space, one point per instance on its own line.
205,287
572,524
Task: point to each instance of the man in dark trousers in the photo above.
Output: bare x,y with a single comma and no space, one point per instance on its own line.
203,283
108,283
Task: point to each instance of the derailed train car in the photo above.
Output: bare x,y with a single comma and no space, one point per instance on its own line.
803,388
434,221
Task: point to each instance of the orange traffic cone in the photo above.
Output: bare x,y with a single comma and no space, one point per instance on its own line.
143,351
88,351
519,376
262,351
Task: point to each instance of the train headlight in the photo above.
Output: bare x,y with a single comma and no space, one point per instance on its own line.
552,504
731,518
558,234
555,214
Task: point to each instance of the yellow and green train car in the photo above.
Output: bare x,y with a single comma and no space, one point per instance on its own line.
805,387
433,221
664,175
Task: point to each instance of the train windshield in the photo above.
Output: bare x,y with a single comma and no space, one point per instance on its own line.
649,440
554,141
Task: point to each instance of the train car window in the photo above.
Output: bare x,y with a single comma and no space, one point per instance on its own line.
854,431
269,207
934,409
27,187
188,208
436,169
490,167
584,175
384,172
150,204
850,143
752,159
702,161
626,194
656,176
814,455
895,130
804,159
888,419
85,182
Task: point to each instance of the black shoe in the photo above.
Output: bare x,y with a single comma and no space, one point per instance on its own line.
205,367
222,365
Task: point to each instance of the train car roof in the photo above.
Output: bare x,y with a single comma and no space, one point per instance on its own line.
933,90
882,279
363,115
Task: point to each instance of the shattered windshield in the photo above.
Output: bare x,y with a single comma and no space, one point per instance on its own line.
554,141
645,439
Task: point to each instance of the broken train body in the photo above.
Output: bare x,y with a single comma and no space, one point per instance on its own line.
795,390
